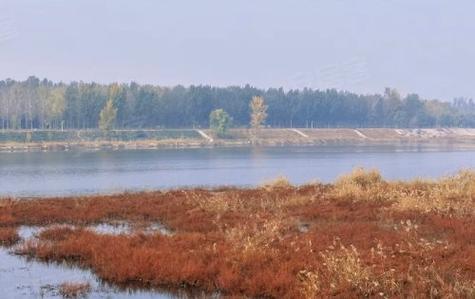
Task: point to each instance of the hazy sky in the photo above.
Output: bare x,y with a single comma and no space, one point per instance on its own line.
423,46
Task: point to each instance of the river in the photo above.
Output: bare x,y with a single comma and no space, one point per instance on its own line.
64,173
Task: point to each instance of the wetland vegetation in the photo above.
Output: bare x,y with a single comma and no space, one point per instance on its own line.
361,236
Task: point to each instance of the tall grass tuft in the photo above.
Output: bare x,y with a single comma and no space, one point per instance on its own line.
361,184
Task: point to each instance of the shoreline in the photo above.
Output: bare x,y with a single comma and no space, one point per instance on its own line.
151,145
460,138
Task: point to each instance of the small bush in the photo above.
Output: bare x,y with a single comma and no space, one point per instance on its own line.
361,184
56,233
362,178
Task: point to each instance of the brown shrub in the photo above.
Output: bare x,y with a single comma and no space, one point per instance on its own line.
56,233
74,289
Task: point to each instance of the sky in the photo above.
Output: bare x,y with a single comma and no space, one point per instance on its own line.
363,46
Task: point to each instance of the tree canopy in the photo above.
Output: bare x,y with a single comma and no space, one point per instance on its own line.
43,104
107,116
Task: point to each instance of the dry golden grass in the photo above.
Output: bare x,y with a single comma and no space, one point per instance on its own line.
345,267
360,237
346,270
448,195
310,283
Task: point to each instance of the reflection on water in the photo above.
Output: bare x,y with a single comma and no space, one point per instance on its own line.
119,228
88,172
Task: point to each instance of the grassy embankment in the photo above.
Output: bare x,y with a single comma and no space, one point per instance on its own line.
359,237
131,139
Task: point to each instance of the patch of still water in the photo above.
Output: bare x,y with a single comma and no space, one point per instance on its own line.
25,278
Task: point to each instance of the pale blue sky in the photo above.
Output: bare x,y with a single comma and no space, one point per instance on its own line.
424,46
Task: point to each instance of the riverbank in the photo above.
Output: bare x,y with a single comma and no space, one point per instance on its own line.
190,138
361,236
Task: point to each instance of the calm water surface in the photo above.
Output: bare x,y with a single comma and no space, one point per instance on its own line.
89,172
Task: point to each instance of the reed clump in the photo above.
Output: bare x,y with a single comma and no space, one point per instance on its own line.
74,289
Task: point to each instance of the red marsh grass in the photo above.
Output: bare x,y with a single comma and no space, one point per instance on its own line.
8,236
359,237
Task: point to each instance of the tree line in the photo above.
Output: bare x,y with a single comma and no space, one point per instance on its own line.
43,104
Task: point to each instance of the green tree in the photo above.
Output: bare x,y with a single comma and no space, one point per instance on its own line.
220,122
107,116
55,106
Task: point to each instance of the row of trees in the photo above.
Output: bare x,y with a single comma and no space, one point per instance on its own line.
42,104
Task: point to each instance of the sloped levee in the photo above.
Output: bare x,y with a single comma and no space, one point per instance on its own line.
199,138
